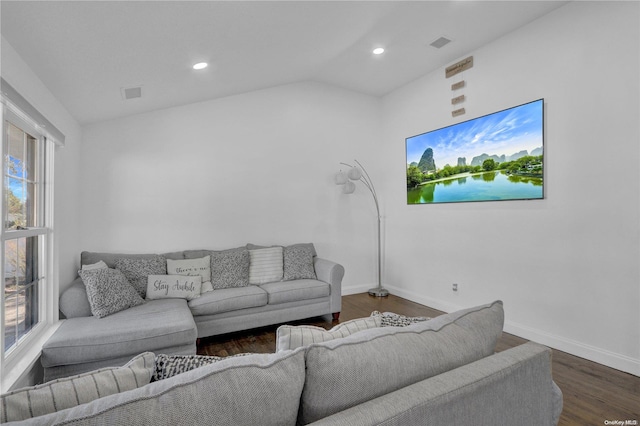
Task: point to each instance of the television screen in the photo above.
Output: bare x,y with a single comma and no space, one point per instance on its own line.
495,157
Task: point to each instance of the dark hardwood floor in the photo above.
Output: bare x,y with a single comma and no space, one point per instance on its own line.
592,392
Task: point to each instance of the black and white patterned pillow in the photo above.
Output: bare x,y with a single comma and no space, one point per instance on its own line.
108,291
298,262
170,365
138,269
230,268
389,319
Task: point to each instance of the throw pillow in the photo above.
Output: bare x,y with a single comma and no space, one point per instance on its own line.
290,337
311,247
98,265
138,269
108,291
192,267
169,365
230,268
71,391
298,262
389,319
173,286
266,265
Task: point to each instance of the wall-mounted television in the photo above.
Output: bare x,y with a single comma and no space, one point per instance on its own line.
495,157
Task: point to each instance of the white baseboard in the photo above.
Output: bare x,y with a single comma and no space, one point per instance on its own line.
432,303
582,350
592,353
356,289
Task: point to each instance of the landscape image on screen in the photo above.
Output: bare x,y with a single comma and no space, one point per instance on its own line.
491,158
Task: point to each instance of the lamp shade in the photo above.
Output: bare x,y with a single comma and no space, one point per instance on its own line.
354,173
341,178
349,187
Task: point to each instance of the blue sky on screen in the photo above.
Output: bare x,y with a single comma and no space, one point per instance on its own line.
505,132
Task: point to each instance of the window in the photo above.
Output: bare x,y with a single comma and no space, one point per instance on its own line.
24,232
29,283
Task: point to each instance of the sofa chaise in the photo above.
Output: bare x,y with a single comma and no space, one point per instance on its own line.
441,371
308,286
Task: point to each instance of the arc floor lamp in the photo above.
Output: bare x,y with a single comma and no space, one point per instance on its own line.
355,174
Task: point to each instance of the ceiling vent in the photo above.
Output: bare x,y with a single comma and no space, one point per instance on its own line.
131,92
440,42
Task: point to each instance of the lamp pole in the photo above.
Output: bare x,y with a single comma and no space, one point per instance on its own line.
354,174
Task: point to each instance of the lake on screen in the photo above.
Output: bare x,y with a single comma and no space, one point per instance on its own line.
487,186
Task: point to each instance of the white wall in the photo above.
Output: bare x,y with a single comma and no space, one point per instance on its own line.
566,267
257,167
67,160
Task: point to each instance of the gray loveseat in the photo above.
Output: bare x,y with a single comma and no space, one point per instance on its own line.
441,371
171,326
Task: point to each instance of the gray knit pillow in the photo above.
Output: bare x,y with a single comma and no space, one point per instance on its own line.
137,270
230,268
298,262
109,291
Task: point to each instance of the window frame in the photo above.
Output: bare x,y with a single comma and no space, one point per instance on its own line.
22,357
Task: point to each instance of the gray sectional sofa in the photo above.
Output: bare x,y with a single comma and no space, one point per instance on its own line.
171,326
441,371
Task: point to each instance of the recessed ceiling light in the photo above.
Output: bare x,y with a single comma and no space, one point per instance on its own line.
378,51
200,66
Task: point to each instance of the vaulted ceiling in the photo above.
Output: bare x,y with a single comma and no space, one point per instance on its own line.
87,52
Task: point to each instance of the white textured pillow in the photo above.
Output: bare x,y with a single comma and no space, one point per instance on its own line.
98,265
174,286
290,337
71,391
192,267
266,265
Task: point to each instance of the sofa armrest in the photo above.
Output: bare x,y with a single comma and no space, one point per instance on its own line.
74,301
331,273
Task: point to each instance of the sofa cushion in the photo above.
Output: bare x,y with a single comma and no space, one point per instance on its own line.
108,291
512,387
89,257
153,326
228,299
290,337
71,391
298,262
339,371
254,390
266,265
292,291
137,270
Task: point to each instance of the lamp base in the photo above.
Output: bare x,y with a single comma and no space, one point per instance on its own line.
379,292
